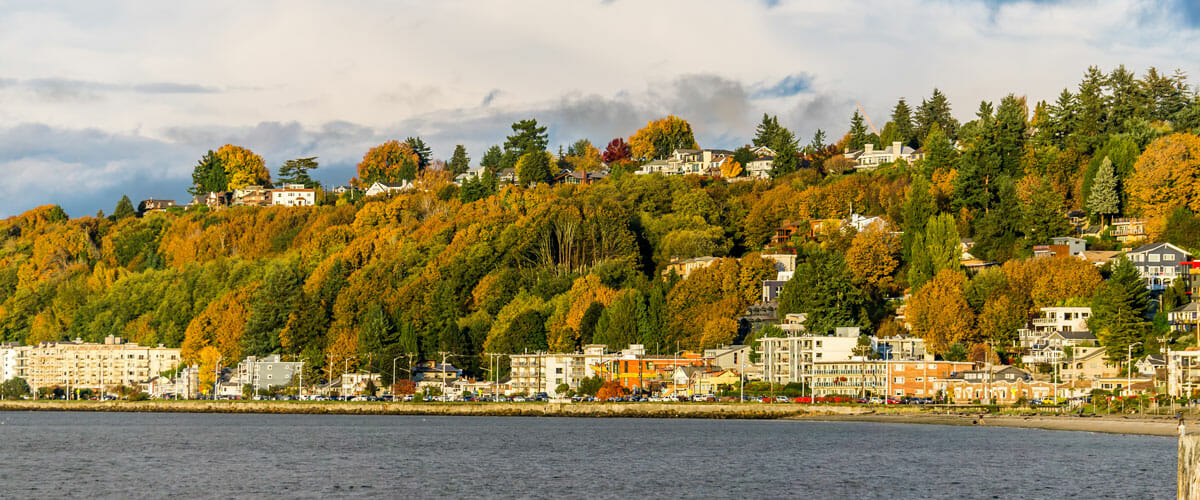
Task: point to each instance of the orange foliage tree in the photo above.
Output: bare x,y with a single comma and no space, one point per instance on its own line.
1166,176
611,389
392,161
221,325
940,314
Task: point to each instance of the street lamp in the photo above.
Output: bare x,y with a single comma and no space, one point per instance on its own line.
1129,367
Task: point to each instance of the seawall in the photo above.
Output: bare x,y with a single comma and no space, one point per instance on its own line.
1189,465
641,410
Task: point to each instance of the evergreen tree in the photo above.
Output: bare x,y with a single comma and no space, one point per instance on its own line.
1175,295
1064,116
527,138
767,132
209,175
858,132
936,248
587,325
534,168
743,156
1043,215
1182,228
787,159
492,158
936,111
823,288
272,302
296,172
375,331
997,231
1119,310
619,324
903,125
1104,200
919,206
424,154
818,142
939,152
1009,134
459,163
1091,108
655,330
124,209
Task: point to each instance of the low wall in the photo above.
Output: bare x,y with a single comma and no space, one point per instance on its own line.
1189,465
654,410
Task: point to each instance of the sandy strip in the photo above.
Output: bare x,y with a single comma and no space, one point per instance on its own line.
1113,425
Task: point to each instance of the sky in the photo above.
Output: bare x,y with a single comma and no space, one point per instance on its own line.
100,99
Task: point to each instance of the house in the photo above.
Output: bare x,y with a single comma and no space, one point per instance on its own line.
732,357
793,323
787,231
153,205
1087,363
1159,264
1185,318
688,162
357,383
784,262
860,223
1062,319
685,267
377,187
1150,364
253,196
869,158
1118,384
901,348
212,200
1128,230
760,167
714,382
1051,348
1183,373
580,177
293,195
1003,391
771,289
1075,246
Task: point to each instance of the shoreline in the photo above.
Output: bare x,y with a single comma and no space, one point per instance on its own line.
1144,425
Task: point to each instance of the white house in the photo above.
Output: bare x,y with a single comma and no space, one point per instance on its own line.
386,187
869,157
293,195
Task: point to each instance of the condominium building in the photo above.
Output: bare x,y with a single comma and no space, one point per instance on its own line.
1183,373
879,377
262,373
84,365
790,359
545,371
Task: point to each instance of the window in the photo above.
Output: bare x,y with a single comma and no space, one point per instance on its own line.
898,380
899,368
1153,257
1169,256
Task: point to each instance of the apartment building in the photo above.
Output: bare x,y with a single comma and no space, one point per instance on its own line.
545,371
1183,373
790,359
85,365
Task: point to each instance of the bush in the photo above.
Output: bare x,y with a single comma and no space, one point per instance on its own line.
139,396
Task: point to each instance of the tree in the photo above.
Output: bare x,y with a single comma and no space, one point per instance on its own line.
940,314
787,158
124,209
527,138
935,249
617,150
731,168
611,389
660,137
872,258
492,158
269,308
424,154
1104,200
823,287
296,171
1175,295
14,388
818,142
1119,310
939,152
582,156
390,162
767,133
1182,228
1165,177
619,323
243,167
459,163
1043,214
533,168
858,132
903,124
208,175
936,111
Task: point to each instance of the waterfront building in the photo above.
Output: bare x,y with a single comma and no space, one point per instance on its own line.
262,373
545,371
1183,373
85,365
790,359
636,371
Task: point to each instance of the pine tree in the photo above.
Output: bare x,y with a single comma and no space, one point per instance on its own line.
459,162
787,158
937,247
375,331
997,231
209,176
919,206
1043,215
858,132
491,159
767,131
823,288
903,125
124,209
939,152
424,154
1009,133
296,171
817,143
936,111
1104,200
1119,310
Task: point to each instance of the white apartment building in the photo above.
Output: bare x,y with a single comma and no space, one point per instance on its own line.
1183,373
262,373
545,371
790,359
84,365
1062,319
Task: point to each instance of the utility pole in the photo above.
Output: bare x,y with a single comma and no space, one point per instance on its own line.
1129,368
445,355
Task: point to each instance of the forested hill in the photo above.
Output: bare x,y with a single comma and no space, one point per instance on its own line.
477,268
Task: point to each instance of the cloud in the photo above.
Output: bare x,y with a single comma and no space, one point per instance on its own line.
487,99
789,86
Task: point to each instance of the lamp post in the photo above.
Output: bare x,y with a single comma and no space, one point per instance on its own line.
1129,367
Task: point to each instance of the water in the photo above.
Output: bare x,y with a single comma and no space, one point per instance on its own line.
138,455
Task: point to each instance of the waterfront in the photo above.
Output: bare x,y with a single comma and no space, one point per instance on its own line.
70,454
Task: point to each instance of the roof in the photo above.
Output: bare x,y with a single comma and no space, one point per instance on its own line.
1189,307
1155,246
1155,359
1075,335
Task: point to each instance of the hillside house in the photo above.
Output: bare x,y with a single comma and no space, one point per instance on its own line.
153,205
388,187
1128,229
869,157
1159,264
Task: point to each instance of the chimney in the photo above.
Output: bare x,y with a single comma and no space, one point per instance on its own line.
868,148
896,148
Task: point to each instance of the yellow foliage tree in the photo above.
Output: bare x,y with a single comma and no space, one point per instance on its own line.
1166,176
940,314
873,258
731,168
392,161
243,167
220,325
659,137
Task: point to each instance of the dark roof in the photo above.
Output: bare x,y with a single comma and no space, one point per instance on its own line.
1074,335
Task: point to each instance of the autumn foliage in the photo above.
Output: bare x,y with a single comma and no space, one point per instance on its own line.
611,389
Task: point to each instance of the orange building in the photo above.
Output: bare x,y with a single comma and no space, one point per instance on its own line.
649,373
915,378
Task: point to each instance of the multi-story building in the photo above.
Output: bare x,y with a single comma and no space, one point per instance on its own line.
635,370
8,360
1062,319
878,377
900,348
293,195
84,365
544,372
255,196
790,359
685,267
1183,373
1159,264
1128,230
916,378
262,373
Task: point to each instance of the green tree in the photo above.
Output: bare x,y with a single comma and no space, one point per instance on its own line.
209,176
902,122
939,152
459,161
533,168
767,132
1104,199
527,138
269,308
424,154
492,158
823,288
935,248
743,156
14,388
296,171
621,323
1119,310
374,333
936,111
1175,295
1043,215
124,209
1182,228
858,132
